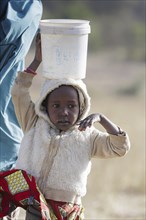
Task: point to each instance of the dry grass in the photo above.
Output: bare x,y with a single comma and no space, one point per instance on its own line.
116,187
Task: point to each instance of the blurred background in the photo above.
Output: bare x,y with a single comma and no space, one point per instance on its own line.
116,83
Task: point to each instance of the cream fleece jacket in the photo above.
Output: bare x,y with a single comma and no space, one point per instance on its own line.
60,162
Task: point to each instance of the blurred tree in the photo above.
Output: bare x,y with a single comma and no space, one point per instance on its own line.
113,23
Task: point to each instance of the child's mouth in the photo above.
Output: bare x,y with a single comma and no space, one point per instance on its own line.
63,122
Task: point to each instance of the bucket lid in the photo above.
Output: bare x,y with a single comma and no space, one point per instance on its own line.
64,26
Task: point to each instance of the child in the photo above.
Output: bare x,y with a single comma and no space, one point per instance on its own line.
60,141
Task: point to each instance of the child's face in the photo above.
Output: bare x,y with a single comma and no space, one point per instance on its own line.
63,107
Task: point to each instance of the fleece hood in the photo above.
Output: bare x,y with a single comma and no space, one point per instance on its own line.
51,84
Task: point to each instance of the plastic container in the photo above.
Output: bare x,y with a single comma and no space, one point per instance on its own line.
64,48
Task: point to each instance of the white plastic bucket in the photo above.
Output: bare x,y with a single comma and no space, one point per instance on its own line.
64,48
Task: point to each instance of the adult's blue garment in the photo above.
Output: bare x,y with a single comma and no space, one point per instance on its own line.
19,21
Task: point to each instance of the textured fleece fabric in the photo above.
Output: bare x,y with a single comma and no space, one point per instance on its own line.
60,162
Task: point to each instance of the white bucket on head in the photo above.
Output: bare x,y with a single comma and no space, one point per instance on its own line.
64,48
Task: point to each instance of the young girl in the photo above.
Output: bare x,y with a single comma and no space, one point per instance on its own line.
60,140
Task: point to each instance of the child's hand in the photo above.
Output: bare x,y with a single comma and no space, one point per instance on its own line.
108,125
89,121
38,50
38,55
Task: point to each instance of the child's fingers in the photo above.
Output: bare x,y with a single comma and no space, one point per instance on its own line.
84,124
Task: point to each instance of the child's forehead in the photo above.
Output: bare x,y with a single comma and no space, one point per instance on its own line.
63,91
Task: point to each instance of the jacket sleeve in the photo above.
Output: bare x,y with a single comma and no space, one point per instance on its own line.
24,107
105,145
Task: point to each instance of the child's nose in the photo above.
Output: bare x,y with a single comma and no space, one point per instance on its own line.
64,111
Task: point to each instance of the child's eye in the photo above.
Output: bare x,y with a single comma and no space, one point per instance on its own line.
55,105
71,106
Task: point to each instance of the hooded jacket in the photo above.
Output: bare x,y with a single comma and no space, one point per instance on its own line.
60,161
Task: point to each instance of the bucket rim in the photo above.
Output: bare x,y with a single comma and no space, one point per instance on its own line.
65,26
64,21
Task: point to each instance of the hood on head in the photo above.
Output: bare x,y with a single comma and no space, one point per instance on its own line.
50,84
